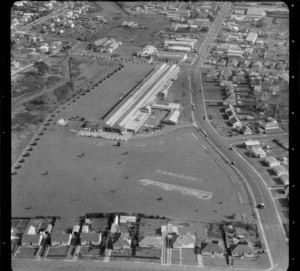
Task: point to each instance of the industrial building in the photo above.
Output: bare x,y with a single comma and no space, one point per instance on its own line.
179,49
187,43
130,114
147,51
251,38
171,56
255,13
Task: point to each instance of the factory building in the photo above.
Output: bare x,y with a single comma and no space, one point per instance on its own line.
99,42
179,49
186,43
172,117
255,13
147,51
130,115
251,38
171,56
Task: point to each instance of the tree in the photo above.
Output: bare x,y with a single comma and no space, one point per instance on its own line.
261,23
211,17
41,67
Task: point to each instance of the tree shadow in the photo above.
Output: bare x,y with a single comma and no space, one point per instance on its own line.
284,202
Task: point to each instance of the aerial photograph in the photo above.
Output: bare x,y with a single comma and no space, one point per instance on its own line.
149,135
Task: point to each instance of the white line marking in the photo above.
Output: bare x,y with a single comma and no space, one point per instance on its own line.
195,137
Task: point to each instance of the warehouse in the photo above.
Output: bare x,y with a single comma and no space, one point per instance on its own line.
251,38
147,51
255,13
179,49
171,56
186,43
172,117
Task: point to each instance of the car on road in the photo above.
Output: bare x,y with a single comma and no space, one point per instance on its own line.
233,163
261,205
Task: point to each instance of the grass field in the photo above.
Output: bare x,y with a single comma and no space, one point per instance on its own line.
106,180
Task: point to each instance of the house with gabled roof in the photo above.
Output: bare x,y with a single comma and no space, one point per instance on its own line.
61,239
121,242
235,122
245,129
90,238
213,248
230,113
185,241
151,242
32,240
271,161
280,170
231,99
241,250
285,179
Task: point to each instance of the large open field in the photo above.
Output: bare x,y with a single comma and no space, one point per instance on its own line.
131,178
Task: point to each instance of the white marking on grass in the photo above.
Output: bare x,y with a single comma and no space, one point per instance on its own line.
183,190
176,175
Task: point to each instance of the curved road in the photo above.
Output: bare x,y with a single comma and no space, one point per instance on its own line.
271,224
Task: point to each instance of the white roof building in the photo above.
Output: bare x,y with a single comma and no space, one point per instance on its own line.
179,48
147,51
251,38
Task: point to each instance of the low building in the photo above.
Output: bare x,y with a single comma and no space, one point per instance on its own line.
151,242
126,219
147,51
285,179
251,38
280,170
32,240
271,161
257,152
270,125
250,143
185,241
241,250
245,129
172,117
90,238
61,239
179,49
171,56
235,122
214,248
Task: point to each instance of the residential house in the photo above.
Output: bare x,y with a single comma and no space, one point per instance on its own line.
250,143
245,64
85,229
285,179
32,240
61,239
248,51
225,83
75,230
227,74
222,63
214,248
90,238
257,151
185,241
228,107
271,161
235,122
151,242
256,88
245,129
230,113
232,62
280,170
271,125
231,99
257,65
241,250
274,88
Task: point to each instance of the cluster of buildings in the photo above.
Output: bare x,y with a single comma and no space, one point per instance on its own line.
156,237
104,45
256,150
135,108
26,11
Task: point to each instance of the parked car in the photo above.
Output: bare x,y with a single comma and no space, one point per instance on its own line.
261,205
